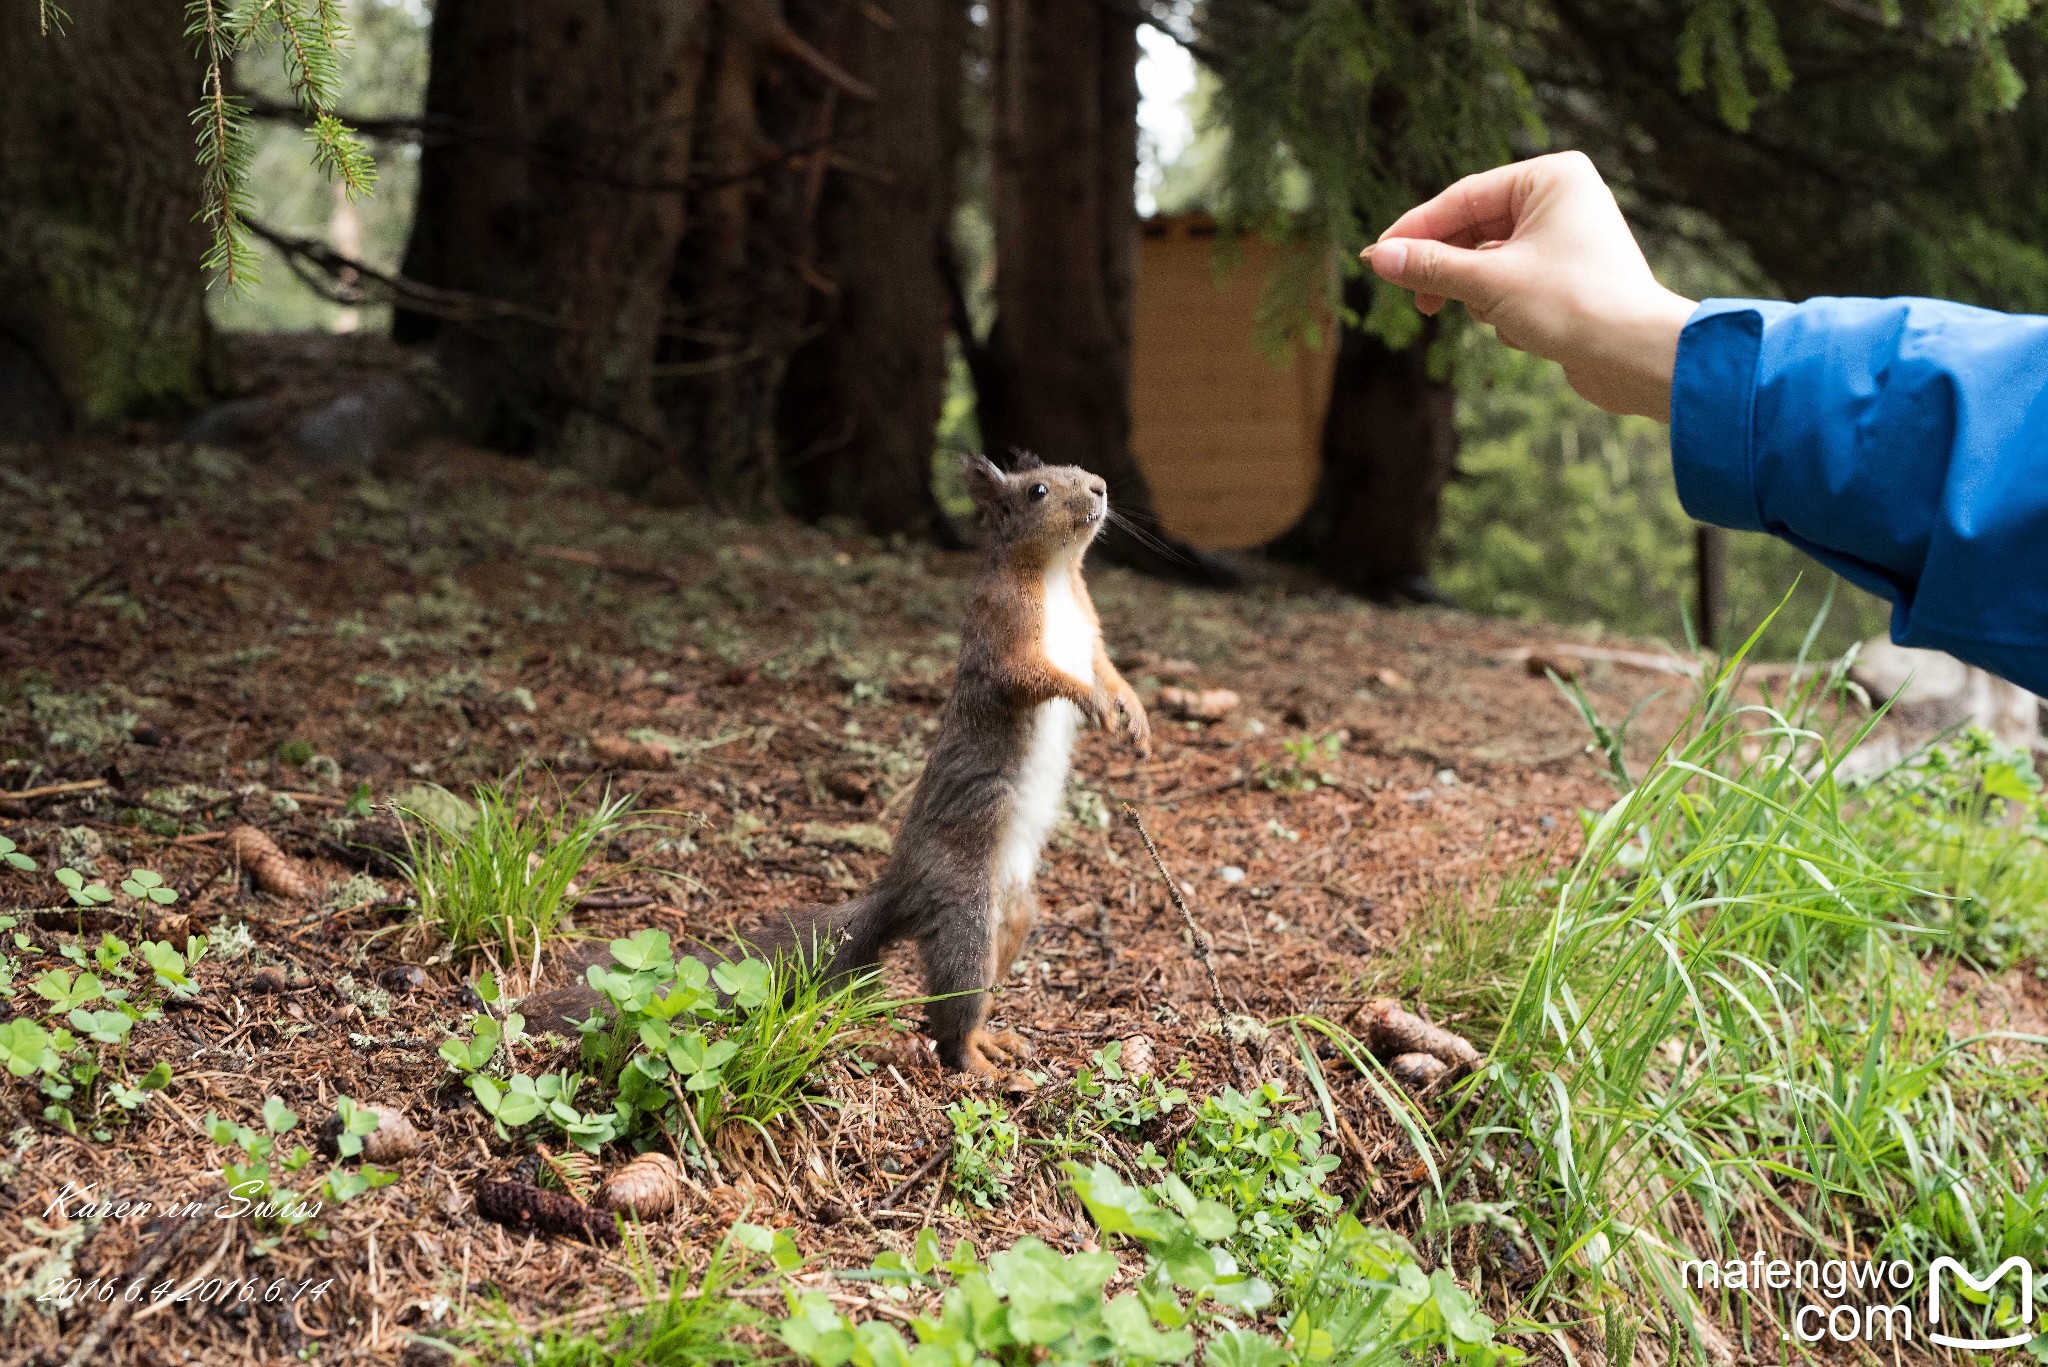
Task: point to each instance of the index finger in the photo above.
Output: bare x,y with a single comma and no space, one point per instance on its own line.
1478,208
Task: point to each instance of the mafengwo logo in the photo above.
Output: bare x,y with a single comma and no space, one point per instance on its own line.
2023,1307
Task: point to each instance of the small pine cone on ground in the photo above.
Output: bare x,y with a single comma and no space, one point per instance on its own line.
648,1186
617,752
519,1206
1198,704
393,1141
272,869
1416,1072
1136,1058
1391,1030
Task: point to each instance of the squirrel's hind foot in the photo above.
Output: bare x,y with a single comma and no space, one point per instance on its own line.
985,1053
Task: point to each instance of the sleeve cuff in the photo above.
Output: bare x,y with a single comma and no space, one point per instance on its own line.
1713,393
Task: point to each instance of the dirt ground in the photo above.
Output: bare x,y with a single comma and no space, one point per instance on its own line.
224,642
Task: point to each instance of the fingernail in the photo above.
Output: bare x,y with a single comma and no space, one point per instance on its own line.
1389,257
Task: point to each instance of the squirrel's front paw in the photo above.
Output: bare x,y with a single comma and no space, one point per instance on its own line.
1135,720
1102,707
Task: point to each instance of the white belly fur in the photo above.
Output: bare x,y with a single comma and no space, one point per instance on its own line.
1041,781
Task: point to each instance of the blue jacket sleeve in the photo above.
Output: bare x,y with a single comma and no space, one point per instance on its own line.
1901,442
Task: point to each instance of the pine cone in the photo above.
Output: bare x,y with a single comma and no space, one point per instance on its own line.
617,752
1136,1059
1416,1072
516,1205
1203,704
1391,1031
393,1141
273,871
647,1186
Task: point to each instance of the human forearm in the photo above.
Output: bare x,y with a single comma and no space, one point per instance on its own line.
1902,442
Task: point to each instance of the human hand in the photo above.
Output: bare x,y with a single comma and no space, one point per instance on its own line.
1540,251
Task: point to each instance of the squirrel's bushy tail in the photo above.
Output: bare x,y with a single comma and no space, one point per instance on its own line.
847,938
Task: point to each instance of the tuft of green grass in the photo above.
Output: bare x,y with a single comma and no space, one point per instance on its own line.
504,883
1969,816
681,1320
685,1047
781,1039
1732,1030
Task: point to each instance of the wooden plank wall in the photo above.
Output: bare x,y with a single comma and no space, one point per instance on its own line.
1227,438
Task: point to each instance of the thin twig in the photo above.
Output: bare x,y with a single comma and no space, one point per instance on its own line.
89,785
917,1174
615,901
1201,945
711,1164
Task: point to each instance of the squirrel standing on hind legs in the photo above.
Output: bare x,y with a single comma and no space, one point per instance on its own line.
1032,668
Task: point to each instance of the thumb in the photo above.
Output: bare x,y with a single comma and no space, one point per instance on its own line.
1429,267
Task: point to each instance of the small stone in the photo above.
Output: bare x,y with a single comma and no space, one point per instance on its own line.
1231,874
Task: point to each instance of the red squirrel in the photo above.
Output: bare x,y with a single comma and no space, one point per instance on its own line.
1032,669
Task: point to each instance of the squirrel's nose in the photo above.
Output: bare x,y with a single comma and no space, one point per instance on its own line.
1098,488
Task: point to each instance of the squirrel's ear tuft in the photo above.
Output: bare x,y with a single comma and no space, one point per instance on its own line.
1025,460
985,480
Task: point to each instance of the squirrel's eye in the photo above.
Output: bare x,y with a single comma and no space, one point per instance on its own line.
1039,491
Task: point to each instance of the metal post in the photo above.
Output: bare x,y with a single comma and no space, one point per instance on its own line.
1710,581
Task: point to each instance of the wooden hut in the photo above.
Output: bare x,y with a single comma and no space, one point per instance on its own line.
1228,437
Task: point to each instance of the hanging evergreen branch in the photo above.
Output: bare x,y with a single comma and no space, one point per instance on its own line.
225,149
311,38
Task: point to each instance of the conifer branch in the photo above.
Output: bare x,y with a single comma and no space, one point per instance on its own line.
224,149
310,43
50,14
313,67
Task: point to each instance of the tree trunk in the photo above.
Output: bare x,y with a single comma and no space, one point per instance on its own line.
1390,442
102,297
557,193
1055,374
860,405
736,297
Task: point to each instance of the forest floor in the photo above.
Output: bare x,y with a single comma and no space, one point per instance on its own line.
220,643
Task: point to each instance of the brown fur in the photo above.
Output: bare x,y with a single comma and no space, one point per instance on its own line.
938,888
